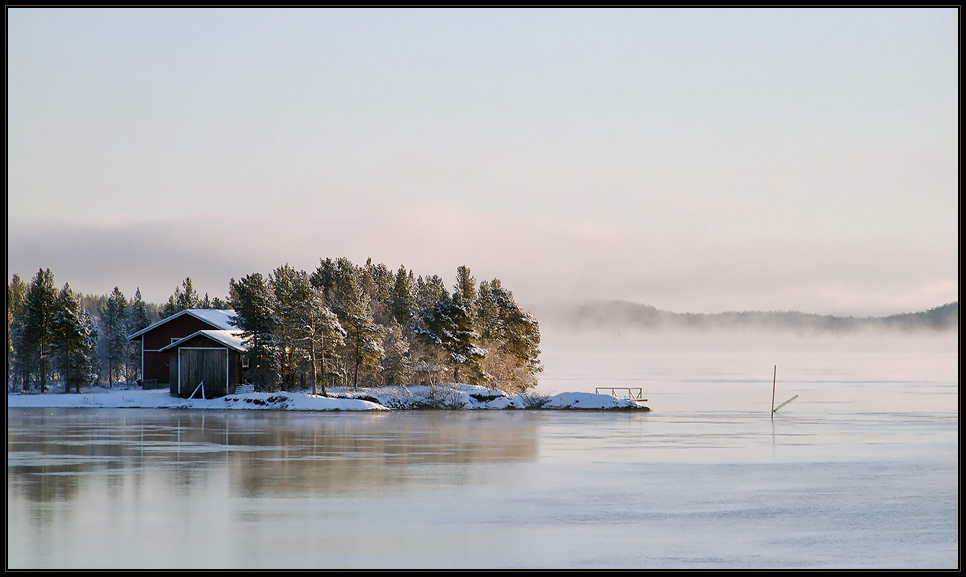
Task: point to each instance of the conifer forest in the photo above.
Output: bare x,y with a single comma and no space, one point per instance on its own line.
340,325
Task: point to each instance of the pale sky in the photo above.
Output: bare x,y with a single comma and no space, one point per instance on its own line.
696,160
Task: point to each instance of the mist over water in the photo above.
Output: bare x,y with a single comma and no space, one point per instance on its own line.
734,370
861,471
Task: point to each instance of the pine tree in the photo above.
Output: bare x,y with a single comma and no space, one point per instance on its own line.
113,329
464,292
522,340
90,333
188,297
449,325
378,282
429,291
512,337
308,330
487,311
254,306
185,297
138,319
396,363
36,326
428,350
73,341
463,345
16,298
363,342
322,333
170,308
326,277
293,294
402,301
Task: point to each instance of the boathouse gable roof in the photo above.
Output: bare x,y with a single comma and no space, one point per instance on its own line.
219,319
232,339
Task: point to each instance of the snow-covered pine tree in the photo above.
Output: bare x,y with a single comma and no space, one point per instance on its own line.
16,297
89,326
113,331
522,341
378,281
463,346
396,363
428,352
464,292
329,338
137,319
325,278
449,325
36,326
293,294
363,342
72,341
254,306
402,301
321,333
487,312
512,337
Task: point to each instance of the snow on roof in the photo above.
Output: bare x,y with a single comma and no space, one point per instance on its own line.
231,339
217,318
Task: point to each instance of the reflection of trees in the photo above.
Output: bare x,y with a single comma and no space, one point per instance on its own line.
49,451
379,453
55,455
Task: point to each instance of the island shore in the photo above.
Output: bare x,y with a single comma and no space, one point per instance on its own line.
452,396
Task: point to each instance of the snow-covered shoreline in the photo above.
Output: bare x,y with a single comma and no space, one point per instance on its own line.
447,396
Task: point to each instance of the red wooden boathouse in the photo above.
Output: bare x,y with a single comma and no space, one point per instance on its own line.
191,347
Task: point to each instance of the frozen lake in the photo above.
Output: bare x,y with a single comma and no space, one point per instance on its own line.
861,471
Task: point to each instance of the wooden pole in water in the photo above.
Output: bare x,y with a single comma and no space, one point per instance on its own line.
775,410
774,378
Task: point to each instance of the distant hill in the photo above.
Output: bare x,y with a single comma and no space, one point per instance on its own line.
940,318
623,314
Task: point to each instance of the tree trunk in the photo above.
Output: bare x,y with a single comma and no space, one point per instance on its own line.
355,375
43,368
322,366
315,372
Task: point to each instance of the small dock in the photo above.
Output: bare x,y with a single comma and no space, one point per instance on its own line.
629,393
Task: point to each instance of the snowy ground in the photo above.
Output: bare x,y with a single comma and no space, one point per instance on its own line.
446,396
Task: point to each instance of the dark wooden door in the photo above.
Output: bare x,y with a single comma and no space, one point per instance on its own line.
208,365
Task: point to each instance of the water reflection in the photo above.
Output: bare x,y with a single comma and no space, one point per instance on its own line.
49,452
860,472
543,489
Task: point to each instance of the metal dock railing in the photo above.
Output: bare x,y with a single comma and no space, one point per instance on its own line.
629,393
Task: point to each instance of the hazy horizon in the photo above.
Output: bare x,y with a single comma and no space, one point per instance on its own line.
694,160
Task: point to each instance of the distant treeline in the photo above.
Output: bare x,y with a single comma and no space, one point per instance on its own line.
623,314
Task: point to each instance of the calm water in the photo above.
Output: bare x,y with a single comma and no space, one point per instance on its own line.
862,471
